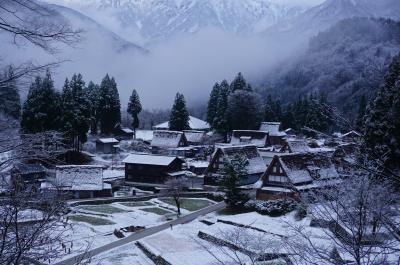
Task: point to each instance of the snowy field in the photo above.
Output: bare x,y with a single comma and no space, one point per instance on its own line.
93,225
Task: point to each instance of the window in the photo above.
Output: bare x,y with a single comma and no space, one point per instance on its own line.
274,178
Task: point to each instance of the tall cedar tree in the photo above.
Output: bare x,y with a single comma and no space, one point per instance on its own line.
234,171
93,95
75,112
382,123
10,103
212,104
179,117
109,105
41,110
134,108
221,123
244,112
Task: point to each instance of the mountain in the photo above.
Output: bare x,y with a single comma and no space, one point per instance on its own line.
157,20
345,62
321,17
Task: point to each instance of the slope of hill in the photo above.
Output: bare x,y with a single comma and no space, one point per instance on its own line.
344,62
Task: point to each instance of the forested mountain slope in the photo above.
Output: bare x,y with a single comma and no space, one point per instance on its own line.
344,62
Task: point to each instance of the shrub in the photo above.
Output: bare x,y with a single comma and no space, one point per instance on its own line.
272,208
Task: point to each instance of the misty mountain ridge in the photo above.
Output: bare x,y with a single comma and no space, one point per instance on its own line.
321,17
157,20
345,62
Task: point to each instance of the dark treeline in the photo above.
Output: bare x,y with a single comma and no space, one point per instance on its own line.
78,109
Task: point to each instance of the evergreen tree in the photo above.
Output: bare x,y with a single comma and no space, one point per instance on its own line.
212,104
41,110
239,83
10,103
109,108
244,112
93,96
288,118
234,171
362,108
382,123
221,123
134,108
179,117
75,111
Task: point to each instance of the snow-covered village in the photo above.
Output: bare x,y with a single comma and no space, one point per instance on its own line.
200,132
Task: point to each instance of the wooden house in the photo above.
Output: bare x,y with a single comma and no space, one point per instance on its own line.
295,146
27,176
276,135
81,181
194,124
246,137
290,174
255,167
164,140
142,168
107,145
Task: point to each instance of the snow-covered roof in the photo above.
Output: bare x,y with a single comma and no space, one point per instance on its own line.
256,162
126,130
194,124
193,136
257,138
79,177
271,127
149,159
297,146
351,134
108,140
307,167
167,139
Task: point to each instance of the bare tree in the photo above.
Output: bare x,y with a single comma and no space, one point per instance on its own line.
31,21
354,218
174,188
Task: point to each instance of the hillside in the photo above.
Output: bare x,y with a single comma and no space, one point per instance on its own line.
344,62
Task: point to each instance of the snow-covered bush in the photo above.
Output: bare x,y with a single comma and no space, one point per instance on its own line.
273,207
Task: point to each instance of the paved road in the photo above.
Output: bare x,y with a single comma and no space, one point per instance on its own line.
144,233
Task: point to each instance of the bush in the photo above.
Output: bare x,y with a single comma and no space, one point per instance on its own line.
272,208
301,211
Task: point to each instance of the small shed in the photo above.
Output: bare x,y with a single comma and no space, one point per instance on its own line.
291,174
351,136
27,176
82,181
144,168
164,140
123,133
106,145
246,137
255,168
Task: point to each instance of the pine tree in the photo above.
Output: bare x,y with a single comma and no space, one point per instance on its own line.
221,123
10,103
212,104
134,108
41,110
93,95
75,111
382,123
234,170
239,83
179,117
109,105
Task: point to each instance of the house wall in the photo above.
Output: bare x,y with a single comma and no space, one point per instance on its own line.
150,173
269,195
106,148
